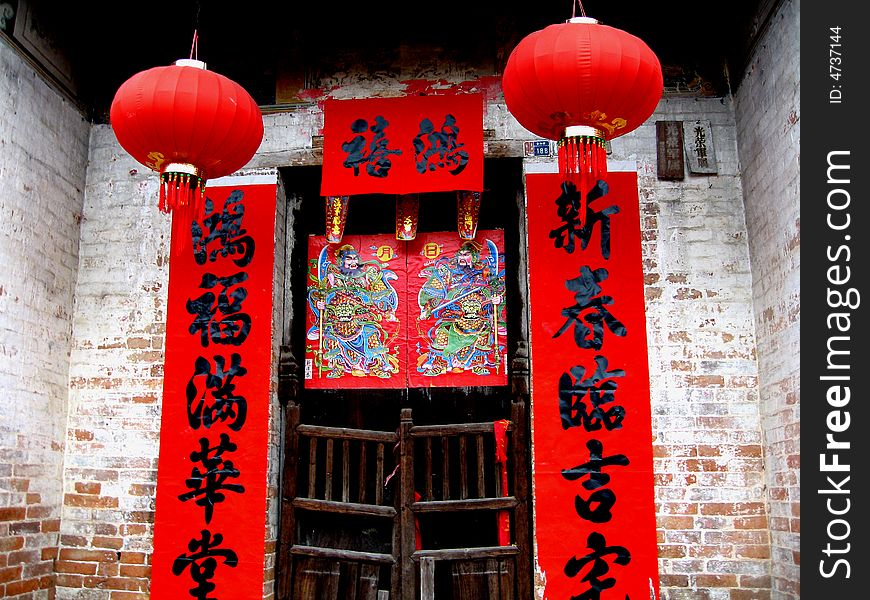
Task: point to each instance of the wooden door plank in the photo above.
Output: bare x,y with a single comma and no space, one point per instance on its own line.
363,483
406,495
312,467
427,578
481,482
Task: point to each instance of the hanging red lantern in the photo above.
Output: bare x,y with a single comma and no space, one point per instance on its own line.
582,83
188,124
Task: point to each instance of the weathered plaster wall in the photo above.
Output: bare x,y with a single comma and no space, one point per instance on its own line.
713,539
768,111
711,504
116,383
115,380
43,157
710,482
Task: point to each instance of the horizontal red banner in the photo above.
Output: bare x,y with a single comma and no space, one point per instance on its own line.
405,145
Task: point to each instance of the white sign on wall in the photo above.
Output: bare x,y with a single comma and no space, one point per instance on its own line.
698,141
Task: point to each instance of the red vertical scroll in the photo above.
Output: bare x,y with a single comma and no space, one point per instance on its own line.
456,310
595,516
211,483
356,313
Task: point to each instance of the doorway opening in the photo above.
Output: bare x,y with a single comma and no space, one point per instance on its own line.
416,492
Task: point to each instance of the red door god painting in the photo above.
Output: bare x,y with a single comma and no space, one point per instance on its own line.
355,317
457,290
389,314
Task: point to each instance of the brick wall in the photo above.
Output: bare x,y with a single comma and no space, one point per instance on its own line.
701,305
43,153
116,383
710,502
768,134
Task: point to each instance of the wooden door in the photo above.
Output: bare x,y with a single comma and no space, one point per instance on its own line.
399,493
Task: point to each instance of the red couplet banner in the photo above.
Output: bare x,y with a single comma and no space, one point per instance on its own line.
594,496
405,145
209,526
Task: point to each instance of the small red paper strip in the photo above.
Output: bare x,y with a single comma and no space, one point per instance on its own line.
467,212
336,217
407,216
501,459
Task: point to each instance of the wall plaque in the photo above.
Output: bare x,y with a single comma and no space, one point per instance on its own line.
669,149
700,153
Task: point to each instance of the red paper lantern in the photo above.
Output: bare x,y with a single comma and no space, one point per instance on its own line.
582,83
189,125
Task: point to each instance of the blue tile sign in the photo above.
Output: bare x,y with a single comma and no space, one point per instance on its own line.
537,148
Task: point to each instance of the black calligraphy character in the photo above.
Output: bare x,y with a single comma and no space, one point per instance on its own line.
599,388
379,162
439,149
701,146
225,229
568,210
209,481
587,288
375,155
602,499
356,147
202,562
235,325
593,217
673,140
593,467
598,567
227,403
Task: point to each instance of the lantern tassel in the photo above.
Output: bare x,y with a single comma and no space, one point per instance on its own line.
162,203
183,194
188,208
170,192
602,159
181,189
583,162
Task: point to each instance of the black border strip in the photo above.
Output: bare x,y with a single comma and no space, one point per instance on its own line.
834,381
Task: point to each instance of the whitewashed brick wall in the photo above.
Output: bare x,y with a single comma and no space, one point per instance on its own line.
702,314
115,379
768,133
43,154
713,540
116,384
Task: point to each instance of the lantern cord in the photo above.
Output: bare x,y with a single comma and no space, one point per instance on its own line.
194,47
574,9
